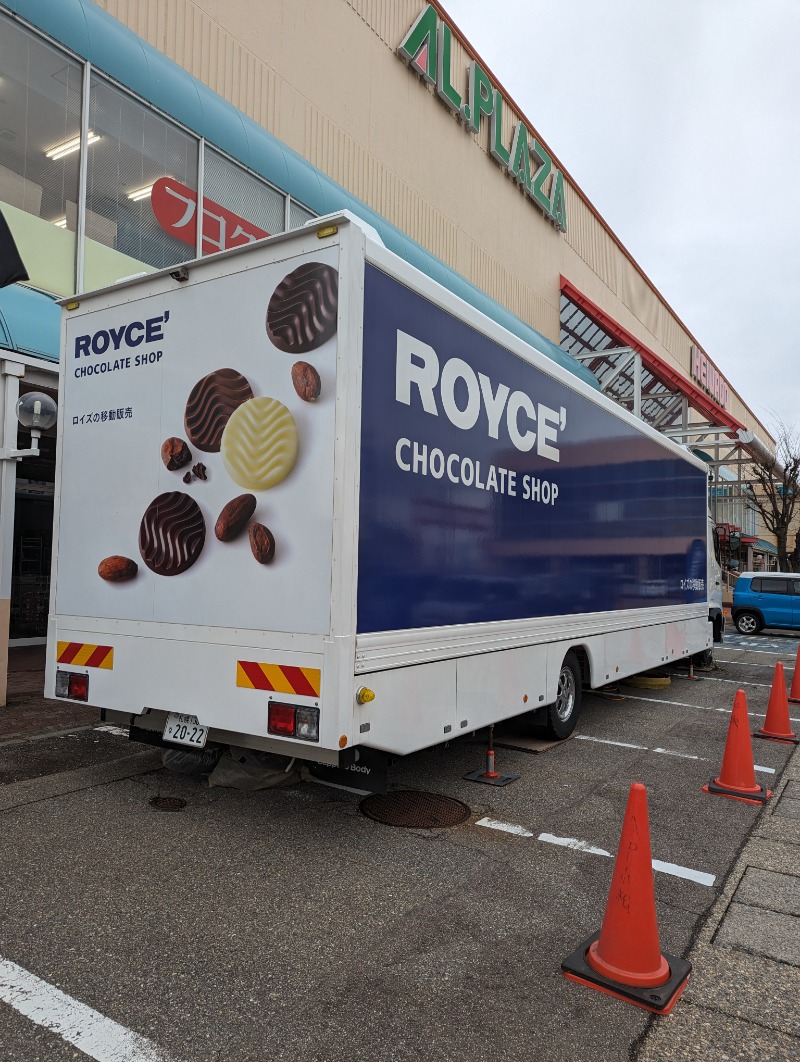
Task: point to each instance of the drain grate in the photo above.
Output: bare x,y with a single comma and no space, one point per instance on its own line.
409,808
161,803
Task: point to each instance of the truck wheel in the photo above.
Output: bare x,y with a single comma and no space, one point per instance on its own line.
747,623
562,714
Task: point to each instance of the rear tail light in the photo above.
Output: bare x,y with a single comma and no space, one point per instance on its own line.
280,719
293,720
73,685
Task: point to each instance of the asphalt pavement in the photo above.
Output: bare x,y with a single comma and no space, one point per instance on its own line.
283,923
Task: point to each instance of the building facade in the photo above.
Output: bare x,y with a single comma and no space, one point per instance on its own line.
136,134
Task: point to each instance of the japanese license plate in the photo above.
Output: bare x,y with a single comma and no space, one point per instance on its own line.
185,730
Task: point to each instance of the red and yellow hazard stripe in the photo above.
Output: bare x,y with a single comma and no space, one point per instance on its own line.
278,678
83,655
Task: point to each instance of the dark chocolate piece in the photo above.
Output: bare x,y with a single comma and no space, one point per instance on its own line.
301,315
210,404
175,453
172,533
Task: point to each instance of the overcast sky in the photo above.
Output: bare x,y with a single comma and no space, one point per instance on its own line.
679,120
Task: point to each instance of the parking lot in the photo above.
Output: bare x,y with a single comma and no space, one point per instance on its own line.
284,923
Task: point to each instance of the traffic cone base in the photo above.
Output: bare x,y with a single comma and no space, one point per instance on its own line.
759,798
659,999
782,739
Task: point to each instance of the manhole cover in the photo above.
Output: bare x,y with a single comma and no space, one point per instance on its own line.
406,807
161,803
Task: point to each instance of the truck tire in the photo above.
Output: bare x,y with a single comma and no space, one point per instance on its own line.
748,623
562,714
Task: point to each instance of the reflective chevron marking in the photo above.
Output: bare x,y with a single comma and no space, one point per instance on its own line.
278,678
81,655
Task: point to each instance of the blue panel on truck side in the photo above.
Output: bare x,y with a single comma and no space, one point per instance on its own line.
491,491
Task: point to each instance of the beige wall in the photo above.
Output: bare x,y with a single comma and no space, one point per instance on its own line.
323,76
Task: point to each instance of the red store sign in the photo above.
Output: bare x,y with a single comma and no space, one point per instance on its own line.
709,377
175,208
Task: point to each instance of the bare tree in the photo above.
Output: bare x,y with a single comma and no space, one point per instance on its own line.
775,494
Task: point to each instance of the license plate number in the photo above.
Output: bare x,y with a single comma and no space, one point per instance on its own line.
185,730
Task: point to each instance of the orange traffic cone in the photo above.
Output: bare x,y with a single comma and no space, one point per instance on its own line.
737,779
624,958
776,725
794,692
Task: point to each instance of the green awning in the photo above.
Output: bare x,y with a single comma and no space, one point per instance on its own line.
762,546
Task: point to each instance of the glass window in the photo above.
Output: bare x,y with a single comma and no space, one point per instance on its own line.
129,224
40,124
299,215
237,207
774,586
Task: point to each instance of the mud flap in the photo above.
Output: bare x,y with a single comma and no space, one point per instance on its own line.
359,768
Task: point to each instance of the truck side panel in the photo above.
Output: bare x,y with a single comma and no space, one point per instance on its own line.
491,490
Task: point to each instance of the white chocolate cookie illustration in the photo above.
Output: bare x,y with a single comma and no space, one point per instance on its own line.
259,444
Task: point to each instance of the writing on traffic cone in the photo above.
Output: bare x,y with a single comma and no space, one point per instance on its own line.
794,692
624,958
776,725
737,778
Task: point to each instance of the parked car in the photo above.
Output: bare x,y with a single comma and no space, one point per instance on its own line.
762,599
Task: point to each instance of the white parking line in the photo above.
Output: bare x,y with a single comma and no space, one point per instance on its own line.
684,872
680,755
678,704
574,843
97,1036
663,752
644,748
750,663
747,649
107,728
702,707
698,876
738,682
506,827
603,741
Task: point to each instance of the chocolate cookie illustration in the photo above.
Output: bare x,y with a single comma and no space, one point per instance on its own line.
301,315
172,533
259,444
210,404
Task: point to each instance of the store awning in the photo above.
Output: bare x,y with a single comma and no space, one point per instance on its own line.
30,322
762,546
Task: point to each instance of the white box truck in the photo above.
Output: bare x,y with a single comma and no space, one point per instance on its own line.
310,502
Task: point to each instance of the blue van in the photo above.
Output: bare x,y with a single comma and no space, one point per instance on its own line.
766,599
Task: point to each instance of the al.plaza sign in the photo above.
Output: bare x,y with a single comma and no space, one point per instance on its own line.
426,49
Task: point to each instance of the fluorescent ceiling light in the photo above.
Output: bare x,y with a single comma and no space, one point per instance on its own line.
140,193
68,146
61,223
